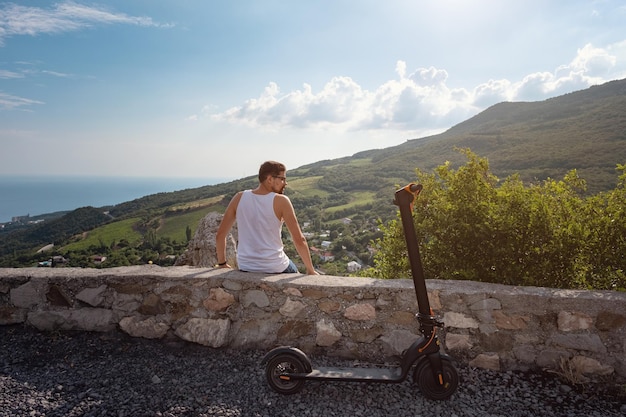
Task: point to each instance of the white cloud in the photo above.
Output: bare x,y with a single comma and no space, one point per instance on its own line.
414,101
590,66
10,102
68,16
57,74
5,74
417,101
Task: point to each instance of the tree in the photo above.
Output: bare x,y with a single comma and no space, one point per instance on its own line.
472,226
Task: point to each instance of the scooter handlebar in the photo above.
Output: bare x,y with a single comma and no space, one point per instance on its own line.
412,190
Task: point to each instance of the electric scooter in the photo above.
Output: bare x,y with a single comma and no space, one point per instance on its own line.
287,368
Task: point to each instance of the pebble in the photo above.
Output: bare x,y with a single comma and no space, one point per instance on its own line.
112,374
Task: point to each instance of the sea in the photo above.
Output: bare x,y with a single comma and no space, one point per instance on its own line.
36,195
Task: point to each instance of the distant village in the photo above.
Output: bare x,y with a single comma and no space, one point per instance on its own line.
20,221
25,219
324,253
322,247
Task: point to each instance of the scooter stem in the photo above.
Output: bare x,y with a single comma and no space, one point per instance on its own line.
404,198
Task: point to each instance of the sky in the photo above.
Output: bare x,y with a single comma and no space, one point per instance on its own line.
212,88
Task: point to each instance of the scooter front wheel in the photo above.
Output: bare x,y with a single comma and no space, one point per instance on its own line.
277,370
425,379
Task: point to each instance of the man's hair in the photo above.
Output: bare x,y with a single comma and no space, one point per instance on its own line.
270,168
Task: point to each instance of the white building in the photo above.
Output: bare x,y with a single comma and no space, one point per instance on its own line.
353,266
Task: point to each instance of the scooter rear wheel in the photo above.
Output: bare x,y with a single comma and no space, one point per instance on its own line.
281,365
429,386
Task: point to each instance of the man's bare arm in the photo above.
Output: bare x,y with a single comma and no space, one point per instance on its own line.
286,211
226,224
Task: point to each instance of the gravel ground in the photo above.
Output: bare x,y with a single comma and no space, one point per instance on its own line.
112,374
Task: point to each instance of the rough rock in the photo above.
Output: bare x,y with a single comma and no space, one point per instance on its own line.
291,308
327,334
486,361
149,328
360,312
201,250
207,332
92,296
219,300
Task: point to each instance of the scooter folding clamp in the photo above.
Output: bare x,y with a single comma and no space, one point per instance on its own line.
429,320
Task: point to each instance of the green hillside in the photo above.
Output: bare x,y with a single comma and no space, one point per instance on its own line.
584,130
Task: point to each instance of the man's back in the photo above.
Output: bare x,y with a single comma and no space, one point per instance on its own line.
260,247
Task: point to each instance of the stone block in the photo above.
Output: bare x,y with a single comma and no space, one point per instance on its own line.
360,312
365,335
254,297
458,342
496,342
294,330
327,333
28,295
526,354
253,333
568,321
218,300
150,328
488,328
550,358
588,342
329,307
486,361
514,322
291,308
207,332
92,296
126,302
459,321
397,341
294,292
485,316
590,366
402,318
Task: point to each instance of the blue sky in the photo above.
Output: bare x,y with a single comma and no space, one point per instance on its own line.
202,88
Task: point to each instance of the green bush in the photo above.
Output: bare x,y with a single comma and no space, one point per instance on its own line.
473,226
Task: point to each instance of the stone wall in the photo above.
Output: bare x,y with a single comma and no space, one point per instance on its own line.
487,325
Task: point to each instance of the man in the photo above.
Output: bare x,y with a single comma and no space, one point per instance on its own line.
260,214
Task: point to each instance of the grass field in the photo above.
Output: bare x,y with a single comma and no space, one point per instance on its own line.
175,227
106,234
192,205
358,198
306,187
172,226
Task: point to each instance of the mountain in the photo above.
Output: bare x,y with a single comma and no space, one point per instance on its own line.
583,130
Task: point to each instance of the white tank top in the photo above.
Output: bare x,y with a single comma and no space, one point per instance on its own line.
260,246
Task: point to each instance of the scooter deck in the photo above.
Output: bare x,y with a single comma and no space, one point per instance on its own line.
357,374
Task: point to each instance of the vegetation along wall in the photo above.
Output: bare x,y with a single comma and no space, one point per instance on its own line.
487,325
